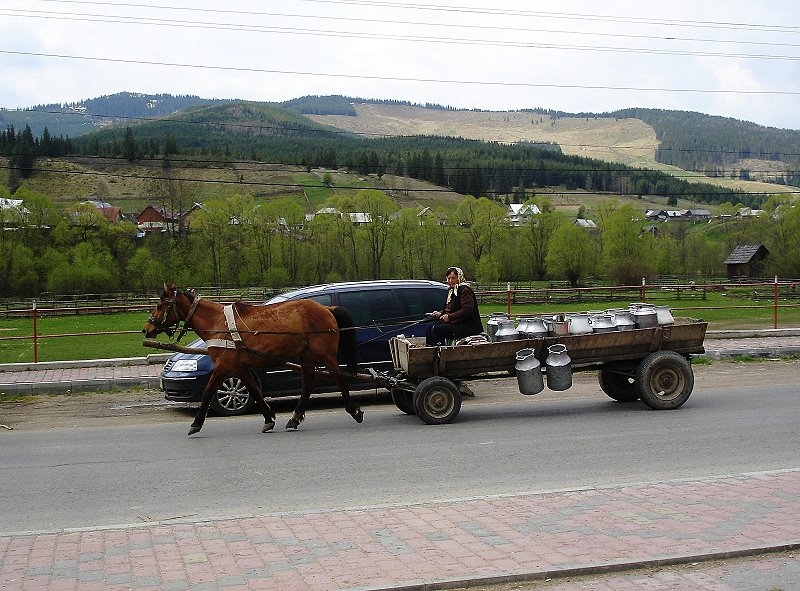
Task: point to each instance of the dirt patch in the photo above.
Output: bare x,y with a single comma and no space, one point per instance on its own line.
630,141
101,409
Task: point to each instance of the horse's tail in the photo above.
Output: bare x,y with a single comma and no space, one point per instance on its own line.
347,337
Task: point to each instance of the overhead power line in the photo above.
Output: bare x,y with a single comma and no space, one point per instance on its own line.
400,78
449,10
351,33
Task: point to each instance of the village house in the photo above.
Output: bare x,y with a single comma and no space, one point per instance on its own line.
10,211
664,215
108,211
427,214
586,224
158,218
519,214
357,218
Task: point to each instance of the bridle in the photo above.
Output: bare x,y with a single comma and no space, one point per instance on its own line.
172,306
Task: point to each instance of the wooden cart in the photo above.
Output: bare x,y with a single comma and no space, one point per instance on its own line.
651,364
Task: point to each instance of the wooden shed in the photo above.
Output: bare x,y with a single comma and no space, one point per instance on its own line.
746,260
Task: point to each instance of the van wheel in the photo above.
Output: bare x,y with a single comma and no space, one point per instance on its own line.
404,400
232,398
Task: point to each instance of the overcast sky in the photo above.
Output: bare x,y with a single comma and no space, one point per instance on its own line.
736,59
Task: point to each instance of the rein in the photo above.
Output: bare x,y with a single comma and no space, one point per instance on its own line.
173,328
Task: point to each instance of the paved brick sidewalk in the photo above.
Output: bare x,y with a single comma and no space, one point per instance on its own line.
422,546
58,378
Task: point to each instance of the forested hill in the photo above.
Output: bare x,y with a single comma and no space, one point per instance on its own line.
77,118
244,131
710,145
716,146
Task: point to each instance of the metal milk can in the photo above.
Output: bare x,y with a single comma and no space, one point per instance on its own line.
579,324
506,331
644,315
602,322
532,328
558,367
559,326
529,372
493,323
664,315
623,319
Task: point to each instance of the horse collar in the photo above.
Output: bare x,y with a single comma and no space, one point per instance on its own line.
185,328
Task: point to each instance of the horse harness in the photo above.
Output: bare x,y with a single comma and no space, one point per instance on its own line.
236,338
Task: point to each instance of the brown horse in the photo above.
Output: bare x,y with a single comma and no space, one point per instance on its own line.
241,336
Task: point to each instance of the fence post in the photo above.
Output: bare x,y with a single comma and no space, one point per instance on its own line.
643,291
35,335
775,305
508,299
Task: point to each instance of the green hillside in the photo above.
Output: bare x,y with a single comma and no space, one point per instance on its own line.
78,118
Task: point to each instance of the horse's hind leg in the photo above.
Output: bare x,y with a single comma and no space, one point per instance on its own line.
307,372
344,386
351,407
265,409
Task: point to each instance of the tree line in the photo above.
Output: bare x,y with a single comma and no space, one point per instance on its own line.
239,131
238,240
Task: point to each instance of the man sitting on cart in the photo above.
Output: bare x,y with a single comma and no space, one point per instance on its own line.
460,317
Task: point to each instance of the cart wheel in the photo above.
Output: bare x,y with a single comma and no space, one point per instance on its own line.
404,400
618,386
664,380
437,401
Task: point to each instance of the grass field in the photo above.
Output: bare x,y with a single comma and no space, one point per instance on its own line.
106,336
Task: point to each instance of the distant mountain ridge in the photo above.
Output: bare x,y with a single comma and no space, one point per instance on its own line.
81,117
710,145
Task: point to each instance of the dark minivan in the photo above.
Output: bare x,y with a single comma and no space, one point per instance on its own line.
380,310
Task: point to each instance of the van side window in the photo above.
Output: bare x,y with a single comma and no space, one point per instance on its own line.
421,301
371,306
325,299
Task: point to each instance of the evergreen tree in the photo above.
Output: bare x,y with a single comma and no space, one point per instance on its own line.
129,148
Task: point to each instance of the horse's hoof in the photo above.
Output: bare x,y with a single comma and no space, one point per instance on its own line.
292,425
268,427
359,416
194,429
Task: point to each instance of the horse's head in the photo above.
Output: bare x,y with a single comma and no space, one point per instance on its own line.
165,315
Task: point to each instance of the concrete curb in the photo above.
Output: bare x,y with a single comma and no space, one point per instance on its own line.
752,333
152,359
595,569
756,352
71,386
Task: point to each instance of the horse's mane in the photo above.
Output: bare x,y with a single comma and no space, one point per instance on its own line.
242,306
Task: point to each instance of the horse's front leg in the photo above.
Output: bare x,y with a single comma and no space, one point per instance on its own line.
211,388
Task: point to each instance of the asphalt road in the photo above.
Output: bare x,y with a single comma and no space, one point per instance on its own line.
63,478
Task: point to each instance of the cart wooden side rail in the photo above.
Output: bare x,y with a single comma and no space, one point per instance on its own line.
651,364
